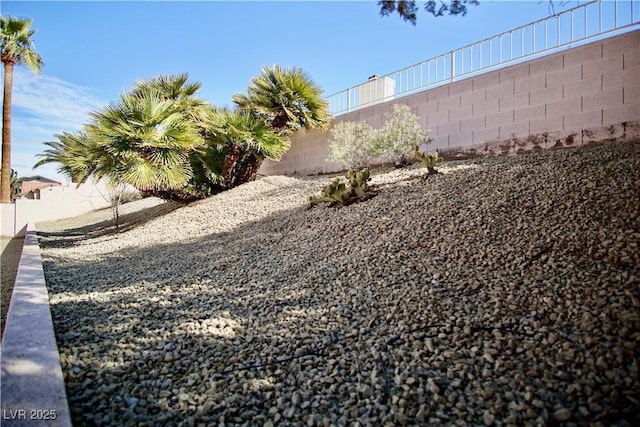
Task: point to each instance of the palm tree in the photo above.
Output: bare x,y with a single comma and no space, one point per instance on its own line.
153,139
16,47
287,99
145,142
248,140
203,160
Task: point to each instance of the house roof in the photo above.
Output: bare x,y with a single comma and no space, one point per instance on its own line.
29,186
40,178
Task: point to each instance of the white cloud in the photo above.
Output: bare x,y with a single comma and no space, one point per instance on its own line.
43,106
62,104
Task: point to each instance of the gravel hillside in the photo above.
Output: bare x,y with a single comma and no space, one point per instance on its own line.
502,291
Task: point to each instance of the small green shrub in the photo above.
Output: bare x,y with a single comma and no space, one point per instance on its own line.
356,145
339,193
400,133
428,160
351,144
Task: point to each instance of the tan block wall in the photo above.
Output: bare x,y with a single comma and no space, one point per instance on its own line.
55,203
569,98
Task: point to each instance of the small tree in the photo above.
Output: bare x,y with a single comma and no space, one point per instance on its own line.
351,144
120,194
399,135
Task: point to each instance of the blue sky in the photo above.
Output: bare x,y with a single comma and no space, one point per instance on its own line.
93,51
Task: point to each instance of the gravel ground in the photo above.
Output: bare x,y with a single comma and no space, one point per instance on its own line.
502,291
11,249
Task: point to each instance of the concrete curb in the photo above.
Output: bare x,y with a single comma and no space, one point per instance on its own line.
32,390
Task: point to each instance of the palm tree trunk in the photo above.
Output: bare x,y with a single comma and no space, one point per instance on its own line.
5,179
249,170
230,160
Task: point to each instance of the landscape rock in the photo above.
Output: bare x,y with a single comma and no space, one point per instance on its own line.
502,290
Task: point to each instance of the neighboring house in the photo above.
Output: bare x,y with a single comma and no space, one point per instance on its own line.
31,186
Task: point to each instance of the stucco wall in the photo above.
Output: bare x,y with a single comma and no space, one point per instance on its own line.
569,98
54,203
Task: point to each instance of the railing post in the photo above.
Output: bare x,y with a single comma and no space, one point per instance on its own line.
510,45
586,31
546,33
471,59
453,65
490,52
599,17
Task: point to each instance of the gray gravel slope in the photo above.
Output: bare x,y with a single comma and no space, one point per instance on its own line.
502,291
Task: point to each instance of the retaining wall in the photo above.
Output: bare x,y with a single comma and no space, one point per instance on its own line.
32,391
574,97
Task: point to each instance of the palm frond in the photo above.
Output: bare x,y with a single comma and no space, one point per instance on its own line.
147,139
288,99
16,43
74,152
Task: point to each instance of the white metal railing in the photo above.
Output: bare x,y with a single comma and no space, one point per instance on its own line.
585,23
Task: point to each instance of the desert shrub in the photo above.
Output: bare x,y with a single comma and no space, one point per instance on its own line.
339,193
399,135
351,144
127,196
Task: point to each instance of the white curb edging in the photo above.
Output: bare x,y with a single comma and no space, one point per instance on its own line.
32,390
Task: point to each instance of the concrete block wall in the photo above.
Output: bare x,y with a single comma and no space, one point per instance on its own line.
54,203
574,97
